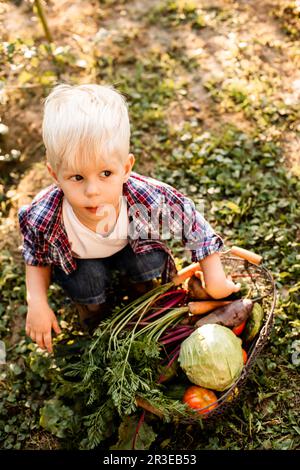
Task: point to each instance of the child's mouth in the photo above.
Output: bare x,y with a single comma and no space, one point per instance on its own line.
93,210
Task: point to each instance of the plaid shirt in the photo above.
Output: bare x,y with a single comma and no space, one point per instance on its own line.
45,241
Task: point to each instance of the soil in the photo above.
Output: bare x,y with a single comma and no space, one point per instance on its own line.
81,24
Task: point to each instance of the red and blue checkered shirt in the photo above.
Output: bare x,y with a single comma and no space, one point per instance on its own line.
45,241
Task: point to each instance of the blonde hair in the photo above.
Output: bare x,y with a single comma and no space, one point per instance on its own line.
85,123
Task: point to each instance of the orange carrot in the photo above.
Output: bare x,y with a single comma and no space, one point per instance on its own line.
205,306
184,273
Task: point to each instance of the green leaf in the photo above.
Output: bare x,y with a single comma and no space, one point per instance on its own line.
24,77
56,417
128,433
234,207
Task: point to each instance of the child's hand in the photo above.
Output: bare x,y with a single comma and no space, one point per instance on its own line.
39,323
231,286
223,289
217,284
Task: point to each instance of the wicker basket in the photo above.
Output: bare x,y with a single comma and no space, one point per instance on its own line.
262,289
262,285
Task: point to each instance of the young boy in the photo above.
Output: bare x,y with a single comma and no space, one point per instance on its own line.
99,215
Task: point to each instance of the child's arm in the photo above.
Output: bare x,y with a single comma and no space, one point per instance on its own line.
216,283
40,317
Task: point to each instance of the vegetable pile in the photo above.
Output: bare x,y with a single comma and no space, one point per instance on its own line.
156,353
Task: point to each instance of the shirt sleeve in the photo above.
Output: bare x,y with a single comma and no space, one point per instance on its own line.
198,235
190,227
33,250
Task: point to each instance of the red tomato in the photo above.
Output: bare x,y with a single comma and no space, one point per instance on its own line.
198,398
245,356
238,329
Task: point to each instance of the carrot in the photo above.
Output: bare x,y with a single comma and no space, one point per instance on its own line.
205,306
185,273
229,315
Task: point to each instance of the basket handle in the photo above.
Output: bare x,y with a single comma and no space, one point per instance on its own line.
188,271
185,273
246,254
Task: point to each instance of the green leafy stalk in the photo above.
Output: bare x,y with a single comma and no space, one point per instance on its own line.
155,329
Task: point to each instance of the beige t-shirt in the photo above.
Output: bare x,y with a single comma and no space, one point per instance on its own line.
86,243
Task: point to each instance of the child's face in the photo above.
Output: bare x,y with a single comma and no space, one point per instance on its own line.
87,189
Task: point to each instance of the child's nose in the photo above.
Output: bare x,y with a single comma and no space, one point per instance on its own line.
92,189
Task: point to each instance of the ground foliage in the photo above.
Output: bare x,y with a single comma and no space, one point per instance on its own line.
220,123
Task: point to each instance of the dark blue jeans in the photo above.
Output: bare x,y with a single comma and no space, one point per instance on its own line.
92,278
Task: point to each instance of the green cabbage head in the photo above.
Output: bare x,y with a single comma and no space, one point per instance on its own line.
212,357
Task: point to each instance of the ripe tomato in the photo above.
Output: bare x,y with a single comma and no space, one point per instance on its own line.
237,330
245,356
198,398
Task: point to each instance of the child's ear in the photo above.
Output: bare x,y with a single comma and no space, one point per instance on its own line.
52,172
128,166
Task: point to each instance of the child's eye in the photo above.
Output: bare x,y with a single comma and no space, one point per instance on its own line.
106,173
76,177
